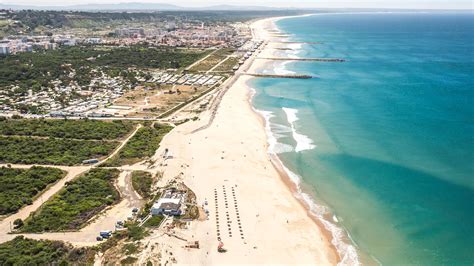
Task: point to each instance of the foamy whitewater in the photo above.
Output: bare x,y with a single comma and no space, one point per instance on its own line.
346,250
363,142
302,142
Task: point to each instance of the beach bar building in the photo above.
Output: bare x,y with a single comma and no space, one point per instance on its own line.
171,203
166,206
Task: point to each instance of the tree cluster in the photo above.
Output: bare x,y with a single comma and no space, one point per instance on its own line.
24,251
74,129
25,150
36,70
142,145
20,186
76,203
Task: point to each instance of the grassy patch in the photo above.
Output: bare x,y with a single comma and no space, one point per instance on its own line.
135,232
4,23
142,182
227,65
130,248
76,203
212,60
52,151
128,260
24,251
154,221
20,186
141,146
61,128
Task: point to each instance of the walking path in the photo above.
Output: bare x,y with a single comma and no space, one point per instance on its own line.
200,60
218,64
7,224
85,236
103,222
121,145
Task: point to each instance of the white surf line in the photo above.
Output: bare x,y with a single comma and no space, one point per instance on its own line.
303,142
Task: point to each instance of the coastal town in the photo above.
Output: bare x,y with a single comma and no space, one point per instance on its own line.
62,98
224,48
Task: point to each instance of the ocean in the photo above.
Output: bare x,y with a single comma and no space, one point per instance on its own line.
382,145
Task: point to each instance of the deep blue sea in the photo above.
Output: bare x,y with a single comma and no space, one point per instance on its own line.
384,140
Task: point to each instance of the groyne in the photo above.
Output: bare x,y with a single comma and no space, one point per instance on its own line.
288,76
303,59
288,42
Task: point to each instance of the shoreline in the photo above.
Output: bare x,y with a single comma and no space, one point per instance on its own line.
294,184
252,208
290,184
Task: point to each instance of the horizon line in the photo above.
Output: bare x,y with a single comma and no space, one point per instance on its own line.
257,7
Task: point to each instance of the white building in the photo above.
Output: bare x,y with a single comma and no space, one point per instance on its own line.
167,206
170,203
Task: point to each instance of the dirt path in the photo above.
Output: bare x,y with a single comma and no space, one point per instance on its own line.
200,60
121,145
86,236
23,213
218,64
106,220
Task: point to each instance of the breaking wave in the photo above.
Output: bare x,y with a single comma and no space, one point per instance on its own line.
303,142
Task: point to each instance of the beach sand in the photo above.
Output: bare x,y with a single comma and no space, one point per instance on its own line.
252,208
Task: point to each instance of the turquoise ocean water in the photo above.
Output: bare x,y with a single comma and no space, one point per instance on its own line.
385,140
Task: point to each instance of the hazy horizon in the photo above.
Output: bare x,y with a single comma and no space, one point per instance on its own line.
382,4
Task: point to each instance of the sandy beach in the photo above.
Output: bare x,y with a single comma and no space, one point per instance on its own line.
252,208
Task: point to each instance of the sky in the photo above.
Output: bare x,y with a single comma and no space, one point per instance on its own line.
419,4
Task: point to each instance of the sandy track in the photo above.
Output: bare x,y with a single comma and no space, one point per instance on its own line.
23,213
121,145
86,236
104,221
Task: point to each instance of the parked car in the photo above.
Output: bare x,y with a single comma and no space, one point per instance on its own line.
105,234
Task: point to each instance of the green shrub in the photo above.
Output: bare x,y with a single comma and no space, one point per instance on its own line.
154,221
76,203
26,150
141,146
142,182
19,186
62,128
130,248
136,232
128,260
24,251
